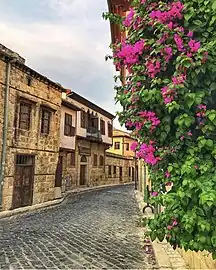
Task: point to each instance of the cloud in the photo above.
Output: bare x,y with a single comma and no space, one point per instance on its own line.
69,49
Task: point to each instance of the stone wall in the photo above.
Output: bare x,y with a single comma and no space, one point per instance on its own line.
96,175
40,92
114,160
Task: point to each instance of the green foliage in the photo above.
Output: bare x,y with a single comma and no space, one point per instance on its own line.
187,148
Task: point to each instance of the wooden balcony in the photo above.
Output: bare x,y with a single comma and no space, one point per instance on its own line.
94,134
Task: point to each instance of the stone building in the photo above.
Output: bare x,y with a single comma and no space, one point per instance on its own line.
86,133
30,107
122,143
121,161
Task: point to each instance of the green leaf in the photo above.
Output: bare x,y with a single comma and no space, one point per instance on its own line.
189,103
211,116
214,5
153,235
188,16
209,143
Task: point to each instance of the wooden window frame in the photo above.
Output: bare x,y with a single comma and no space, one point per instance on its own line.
102,127
114,170
83,119
115,145
24,103
109,171
127,147
95,160
72,159
120,171
110,130
101,161
69,129
43,111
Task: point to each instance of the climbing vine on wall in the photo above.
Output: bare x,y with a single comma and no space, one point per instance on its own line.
169,100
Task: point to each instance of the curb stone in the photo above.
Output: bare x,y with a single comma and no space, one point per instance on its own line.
167,258
50,204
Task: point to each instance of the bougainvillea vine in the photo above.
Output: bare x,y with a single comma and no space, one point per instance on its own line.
169,101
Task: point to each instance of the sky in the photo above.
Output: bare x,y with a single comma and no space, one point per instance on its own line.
65,40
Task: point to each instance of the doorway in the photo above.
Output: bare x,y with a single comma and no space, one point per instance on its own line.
23,181
83,171
58,175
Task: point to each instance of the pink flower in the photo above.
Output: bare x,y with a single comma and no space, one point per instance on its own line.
128,20
201,107
194,46
154,194
167,174
168,184
134,146
168,94
182,138
179,42
147,153
175,223
170,25
190,34
179,79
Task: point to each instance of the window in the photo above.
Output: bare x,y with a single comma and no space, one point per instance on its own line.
110,170
101,161
114,170
24,160
117,145
72,159
69,130
83,159
83,119
127,146
95,160
25,115
102,127
110,128
120,171
129,171
45,122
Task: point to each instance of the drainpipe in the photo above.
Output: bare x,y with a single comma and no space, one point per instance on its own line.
5,129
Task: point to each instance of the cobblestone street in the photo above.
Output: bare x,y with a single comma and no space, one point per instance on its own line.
98,230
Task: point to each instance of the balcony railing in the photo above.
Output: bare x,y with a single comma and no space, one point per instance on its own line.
93,132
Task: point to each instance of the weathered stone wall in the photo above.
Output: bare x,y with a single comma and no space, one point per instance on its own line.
118,161
69,172
97,173
44,147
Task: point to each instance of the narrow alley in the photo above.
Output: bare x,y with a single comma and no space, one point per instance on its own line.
96,231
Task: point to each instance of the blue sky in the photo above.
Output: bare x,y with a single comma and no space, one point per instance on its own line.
66,40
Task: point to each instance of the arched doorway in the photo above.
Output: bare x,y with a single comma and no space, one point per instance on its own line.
83,171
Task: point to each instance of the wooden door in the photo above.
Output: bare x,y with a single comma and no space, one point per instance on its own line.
82,175
120,173
58,175
23,182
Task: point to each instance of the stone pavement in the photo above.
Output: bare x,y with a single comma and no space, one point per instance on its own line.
98,230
